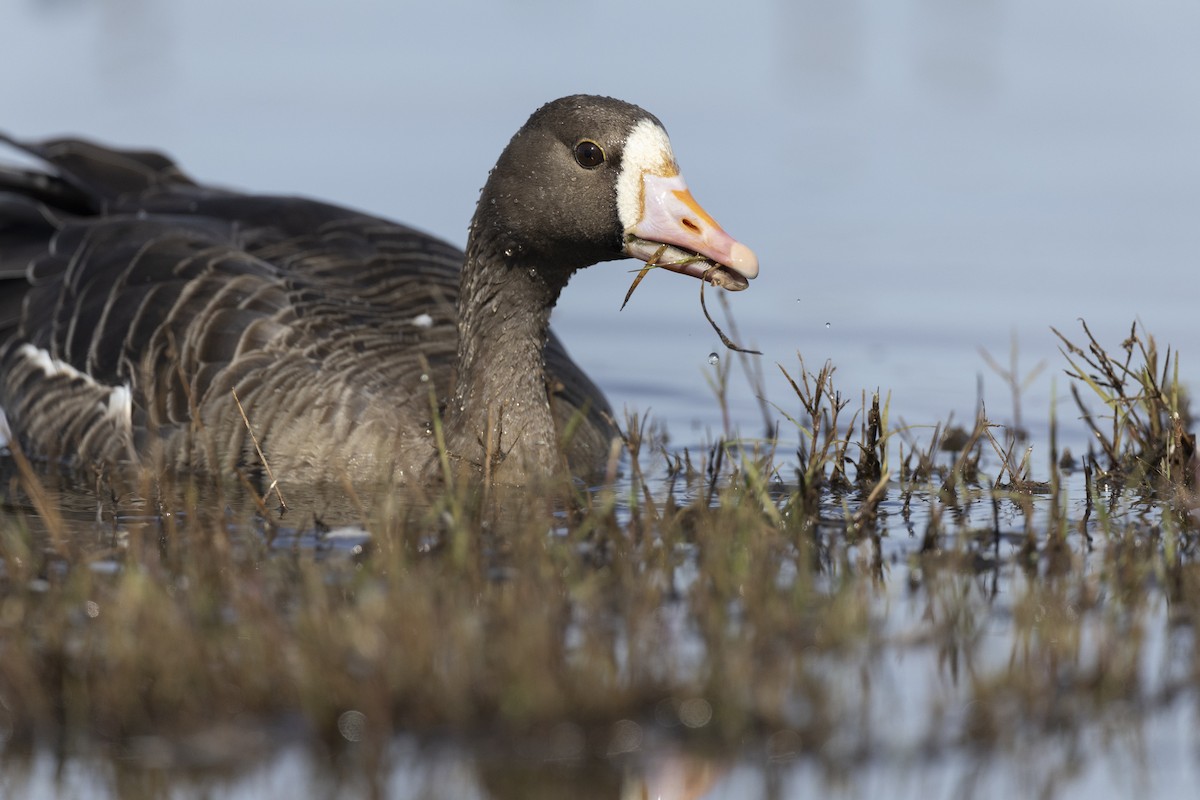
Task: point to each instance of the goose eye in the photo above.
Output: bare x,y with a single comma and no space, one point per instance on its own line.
588,154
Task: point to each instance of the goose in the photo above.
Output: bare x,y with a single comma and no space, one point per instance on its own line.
148,320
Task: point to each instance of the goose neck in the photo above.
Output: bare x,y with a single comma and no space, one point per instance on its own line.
499,413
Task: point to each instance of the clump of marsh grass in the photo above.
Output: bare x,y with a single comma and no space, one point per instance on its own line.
1145,434
455,615
748,610
828,458
1016,382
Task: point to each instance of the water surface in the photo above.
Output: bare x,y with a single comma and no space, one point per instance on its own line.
919,179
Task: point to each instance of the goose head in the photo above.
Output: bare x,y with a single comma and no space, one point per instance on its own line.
590,179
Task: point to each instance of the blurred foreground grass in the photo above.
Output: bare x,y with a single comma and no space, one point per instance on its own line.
881,591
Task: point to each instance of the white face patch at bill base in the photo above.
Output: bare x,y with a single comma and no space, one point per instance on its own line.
664,225
647,150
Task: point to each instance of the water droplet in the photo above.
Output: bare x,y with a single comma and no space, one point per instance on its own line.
424,377
508,251
422,321
352,725
714,359
695,713
626,737
827,325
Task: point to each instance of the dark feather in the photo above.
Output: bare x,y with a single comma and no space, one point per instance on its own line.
135,277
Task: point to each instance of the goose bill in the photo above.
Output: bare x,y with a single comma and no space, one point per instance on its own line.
696,244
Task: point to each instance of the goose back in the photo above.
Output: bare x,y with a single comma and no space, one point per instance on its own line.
145,309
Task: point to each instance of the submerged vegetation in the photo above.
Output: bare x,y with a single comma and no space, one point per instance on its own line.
738,603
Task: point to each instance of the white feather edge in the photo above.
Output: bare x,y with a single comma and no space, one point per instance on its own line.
118,402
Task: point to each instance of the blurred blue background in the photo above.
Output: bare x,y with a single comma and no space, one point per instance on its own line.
920,178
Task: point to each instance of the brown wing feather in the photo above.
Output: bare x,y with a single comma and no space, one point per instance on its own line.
185,294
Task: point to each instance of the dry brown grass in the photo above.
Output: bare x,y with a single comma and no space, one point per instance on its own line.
743,602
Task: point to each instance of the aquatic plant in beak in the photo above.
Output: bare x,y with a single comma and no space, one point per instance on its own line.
665,226
716,274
